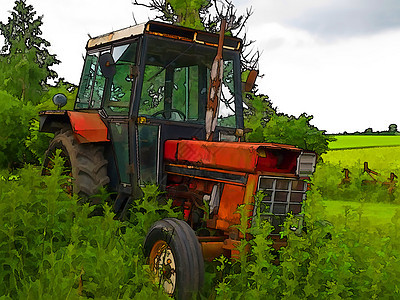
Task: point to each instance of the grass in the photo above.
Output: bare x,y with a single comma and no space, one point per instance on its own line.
381,159
364,141
377,213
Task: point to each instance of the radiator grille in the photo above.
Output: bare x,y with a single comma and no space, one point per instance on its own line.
282,195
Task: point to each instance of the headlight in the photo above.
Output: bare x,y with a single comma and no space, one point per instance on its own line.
306,164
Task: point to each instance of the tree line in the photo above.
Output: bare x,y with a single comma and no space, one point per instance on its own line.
392,130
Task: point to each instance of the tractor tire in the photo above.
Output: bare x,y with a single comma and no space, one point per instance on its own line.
85,163
175,258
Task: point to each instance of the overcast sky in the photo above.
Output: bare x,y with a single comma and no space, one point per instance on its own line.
337,60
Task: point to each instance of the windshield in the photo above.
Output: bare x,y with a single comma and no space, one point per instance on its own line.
176,81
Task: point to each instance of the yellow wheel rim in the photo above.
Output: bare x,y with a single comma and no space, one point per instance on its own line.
162,266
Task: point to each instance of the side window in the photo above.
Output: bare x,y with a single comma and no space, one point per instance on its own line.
98,89
85,86
227,116
148,147
120,87
91,87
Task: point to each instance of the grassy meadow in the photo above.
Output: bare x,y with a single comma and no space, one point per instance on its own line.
381,159
380,151
377,213
351,151
364,141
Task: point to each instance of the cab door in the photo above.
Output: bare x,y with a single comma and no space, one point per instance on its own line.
119,93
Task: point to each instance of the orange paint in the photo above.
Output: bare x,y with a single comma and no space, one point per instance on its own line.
211,250
88,127
233,156
232,196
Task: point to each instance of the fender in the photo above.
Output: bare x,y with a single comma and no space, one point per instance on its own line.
87,127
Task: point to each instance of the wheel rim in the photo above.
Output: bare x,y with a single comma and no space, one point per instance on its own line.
162,265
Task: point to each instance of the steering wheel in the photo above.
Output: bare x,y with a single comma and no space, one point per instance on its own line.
164,111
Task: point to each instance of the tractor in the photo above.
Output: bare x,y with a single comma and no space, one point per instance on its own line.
162,104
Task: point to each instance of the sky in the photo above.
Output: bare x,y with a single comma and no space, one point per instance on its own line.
336,60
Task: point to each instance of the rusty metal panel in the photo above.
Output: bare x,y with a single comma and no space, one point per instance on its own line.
88,127
234,156
211,250
232,196
224,155
52,120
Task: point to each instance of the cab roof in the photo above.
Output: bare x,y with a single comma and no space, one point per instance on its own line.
165,30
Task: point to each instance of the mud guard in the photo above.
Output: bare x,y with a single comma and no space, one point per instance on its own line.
87,127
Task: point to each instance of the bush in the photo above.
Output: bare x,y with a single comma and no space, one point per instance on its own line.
50,247
269,126
14,129
20,139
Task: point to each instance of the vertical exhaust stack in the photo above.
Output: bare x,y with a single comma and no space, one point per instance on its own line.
214,93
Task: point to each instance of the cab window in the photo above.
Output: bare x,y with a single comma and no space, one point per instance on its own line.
92,84
119,87
176,82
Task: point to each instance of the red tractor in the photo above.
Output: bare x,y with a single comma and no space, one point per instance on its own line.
142,115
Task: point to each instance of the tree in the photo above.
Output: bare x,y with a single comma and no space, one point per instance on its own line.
24,69
179,12
269,126
393,128
25,61
368,131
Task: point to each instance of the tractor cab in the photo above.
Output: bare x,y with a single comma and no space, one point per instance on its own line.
148,84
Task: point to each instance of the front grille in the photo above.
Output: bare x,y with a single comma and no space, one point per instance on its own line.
282,195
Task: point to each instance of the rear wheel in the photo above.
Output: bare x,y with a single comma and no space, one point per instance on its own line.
84,162
175,257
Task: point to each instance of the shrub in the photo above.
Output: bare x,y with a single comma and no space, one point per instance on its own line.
50,247
14,129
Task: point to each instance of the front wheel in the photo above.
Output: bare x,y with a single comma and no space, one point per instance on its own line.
175,257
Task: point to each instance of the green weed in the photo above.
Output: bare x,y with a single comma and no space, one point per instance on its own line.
49,247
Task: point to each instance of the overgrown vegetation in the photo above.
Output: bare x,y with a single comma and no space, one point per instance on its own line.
351,259
50,248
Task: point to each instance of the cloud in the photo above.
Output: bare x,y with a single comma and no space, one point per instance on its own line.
328,19
343,18
348,85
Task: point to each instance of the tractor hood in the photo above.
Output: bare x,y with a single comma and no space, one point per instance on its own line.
234,156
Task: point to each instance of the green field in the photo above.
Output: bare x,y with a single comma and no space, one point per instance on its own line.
377,213
364,141
384,160
381,159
